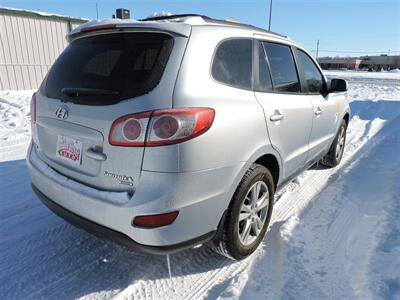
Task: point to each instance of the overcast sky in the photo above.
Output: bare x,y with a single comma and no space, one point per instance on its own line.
344,27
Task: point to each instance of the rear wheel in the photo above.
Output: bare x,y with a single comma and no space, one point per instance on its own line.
335,154
249,214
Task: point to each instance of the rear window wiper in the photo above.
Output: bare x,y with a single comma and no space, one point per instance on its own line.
76,92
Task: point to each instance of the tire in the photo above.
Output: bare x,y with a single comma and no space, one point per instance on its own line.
232,242
335,154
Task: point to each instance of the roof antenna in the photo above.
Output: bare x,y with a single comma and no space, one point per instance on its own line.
270,15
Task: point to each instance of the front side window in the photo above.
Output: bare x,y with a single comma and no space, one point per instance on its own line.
309,73
232,63
283,69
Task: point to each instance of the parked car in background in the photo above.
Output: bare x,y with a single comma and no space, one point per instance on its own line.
175,131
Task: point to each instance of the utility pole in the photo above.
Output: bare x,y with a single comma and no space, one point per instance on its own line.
97,10
270,15
316,55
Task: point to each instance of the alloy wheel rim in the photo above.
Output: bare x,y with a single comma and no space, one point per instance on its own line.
340,143
253,213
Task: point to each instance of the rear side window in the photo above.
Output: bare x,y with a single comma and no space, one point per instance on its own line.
309,73
106,69
283,69
264,76
232,63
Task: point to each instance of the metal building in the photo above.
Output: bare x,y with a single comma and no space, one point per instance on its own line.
372,63
29,44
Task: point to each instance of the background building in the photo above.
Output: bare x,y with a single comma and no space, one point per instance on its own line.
372,63
29,44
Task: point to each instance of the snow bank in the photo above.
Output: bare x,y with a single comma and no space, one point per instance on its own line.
15,128
363,75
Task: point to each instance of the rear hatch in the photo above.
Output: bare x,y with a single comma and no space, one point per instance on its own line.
97,79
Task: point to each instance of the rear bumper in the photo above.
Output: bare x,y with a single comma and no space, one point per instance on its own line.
200,197
115,236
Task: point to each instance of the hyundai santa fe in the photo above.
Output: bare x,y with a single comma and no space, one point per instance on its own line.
170,132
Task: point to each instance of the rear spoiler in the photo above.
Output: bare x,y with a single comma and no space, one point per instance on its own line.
112,25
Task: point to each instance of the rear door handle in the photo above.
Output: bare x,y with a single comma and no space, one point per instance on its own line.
277,116
318,111
96,154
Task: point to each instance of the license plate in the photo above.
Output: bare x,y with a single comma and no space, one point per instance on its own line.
69,150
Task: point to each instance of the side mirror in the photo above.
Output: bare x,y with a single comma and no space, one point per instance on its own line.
338,85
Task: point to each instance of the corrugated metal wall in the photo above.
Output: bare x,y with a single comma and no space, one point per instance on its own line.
28,47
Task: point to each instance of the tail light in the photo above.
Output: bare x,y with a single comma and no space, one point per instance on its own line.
161,127
33,108
130,130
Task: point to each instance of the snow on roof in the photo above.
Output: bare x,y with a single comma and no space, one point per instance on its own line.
39,13
159,14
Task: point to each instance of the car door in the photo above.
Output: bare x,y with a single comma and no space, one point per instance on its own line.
288,113
325,116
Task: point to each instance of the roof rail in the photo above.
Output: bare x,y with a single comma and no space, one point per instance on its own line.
170,17
212,21
242,25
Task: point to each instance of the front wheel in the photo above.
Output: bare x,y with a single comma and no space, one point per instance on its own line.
249,214
335,154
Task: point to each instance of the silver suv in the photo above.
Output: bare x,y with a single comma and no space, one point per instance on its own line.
171,132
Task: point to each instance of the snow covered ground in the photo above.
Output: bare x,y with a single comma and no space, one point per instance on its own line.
15,127
335,233
391,78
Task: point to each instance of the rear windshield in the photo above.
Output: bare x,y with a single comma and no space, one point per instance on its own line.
106,69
